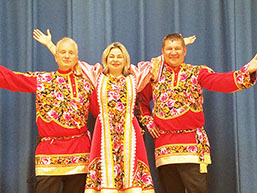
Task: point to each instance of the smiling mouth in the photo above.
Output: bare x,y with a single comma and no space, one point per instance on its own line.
116,64
173,58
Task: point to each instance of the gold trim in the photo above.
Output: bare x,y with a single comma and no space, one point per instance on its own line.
129,135
26,74
106,155
78,169
131,190
185,158
57,122
60,155
234,76
172,117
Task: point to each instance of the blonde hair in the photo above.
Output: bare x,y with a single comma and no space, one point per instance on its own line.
67,39
125,56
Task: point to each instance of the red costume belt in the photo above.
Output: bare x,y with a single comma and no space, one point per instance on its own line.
62,137
178,131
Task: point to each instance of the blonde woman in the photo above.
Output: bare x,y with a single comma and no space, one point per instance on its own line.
118,159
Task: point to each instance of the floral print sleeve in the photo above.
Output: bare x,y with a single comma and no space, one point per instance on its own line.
147,122
244,79
143,110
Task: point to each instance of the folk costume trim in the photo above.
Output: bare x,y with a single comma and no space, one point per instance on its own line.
27,74
186,153
130,136
105,137
61,164
129,141
244,79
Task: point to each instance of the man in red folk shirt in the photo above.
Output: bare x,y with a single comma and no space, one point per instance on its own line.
62,104
182,150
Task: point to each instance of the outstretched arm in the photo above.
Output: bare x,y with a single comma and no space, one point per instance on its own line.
45,39
17,81
230,81
190,39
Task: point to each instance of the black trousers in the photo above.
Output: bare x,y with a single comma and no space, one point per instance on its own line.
52,184
176,178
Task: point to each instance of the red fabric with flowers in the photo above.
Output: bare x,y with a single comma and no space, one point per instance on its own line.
62,104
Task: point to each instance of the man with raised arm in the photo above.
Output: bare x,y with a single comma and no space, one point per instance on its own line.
182,150
62,105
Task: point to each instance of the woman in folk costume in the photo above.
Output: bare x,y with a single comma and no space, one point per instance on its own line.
118,159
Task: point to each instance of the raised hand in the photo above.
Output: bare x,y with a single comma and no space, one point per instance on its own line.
156,62
253,64
190,39
41,37
45,39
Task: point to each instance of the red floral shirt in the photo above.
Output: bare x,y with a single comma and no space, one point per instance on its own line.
178,98
62,105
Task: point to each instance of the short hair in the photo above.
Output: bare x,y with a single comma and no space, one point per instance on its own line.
173,36
67,39
125,53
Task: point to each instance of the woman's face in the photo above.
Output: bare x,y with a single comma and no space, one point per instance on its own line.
115,62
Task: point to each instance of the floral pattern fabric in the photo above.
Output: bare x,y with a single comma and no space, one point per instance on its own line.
178,100
243,79
171,101
200,148
56,100
61,160
117,109
142,177
64,99
117,102
62,102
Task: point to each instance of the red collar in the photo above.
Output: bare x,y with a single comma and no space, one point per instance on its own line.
64,72
172,68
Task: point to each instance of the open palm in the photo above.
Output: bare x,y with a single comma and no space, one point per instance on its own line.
41,37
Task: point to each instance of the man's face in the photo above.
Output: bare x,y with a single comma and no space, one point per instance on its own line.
173,52
66,55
